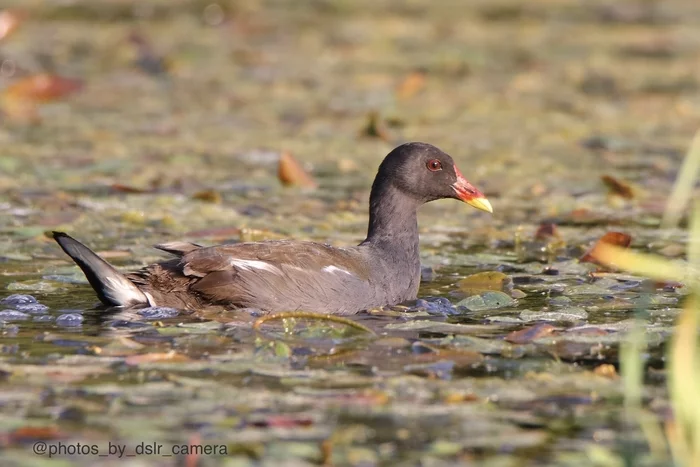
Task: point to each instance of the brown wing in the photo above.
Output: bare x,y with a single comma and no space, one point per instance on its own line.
293,272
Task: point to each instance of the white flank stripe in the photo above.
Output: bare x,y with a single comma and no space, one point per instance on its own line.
150,299
120,293
250,264
333,269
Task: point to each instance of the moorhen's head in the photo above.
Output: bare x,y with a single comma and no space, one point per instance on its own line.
425,173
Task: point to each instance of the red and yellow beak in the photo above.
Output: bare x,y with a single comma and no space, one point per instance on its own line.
469,194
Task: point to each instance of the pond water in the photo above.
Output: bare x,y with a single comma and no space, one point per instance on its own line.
575,115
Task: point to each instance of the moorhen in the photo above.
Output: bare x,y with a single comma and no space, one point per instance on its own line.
287,275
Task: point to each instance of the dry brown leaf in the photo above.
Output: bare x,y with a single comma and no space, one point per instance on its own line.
290,172
546,231
618,187
529,334
169,357
209,196
411,85
120,188
19,101
610,238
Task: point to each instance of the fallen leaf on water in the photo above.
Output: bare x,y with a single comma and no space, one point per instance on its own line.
29,434
529,334
173,357
119,188
209,196
19,101
606,370
460,397
656,284
290,172
583,216
488,280
617,187
43,87
411,84
375,127
618,239
546,231
9,22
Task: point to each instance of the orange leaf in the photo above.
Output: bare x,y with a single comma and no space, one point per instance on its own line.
411,85
617,187
611,238
290,172
529,334
170,357
42,88
606,370
28,434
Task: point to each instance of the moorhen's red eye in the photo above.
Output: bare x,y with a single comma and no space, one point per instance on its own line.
434,165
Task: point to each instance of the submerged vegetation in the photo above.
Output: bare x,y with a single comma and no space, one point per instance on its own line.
561,331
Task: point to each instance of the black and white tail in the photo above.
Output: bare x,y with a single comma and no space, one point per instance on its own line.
111,286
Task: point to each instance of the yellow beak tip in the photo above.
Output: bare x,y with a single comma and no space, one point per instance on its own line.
482,204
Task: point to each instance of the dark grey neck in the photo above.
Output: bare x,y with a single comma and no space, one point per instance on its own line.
393,222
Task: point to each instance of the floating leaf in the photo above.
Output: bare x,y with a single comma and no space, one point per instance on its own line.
529,334
209,196
411,84
167,357
546,231
290,172
606,370
618,239
43,87
30,434
618,187
119,188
